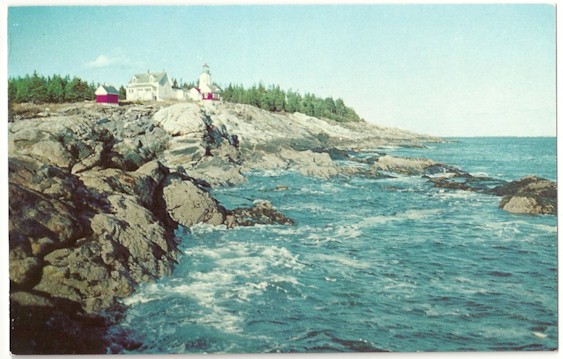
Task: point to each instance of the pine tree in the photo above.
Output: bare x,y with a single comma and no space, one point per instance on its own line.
22,89
56,89
122,93
38,89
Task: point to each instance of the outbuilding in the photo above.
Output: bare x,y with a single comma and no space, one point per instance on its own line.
107,94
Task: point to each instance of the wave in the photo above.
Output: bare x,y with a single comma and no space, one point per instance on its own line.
411,214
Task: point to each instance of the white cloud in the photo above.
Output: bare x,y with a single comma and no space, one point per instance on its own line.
106,61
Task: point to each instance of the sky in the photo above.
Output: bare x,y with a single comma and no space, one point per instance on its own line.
441,69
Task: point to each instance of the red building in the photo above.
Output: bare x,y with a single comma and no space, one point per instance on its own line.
107,94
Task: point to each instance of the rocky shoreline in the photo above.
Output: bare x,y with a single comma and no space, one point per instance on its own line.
96,193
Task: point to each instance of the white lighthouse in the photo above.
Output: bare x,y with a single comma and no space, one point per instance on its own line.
206,90
205,77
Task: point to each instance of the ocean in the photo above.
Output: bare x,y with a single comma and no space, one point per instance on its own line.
388,264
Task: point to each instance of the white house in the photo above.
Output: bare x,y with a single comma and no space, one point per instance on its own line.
152,86
206,90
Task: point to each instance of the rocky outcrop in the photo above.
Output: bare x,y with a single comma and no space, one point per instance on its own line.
262,212
412,166
93,213
308,163
529,195
78,246
261,129
188,204
221,141
467,182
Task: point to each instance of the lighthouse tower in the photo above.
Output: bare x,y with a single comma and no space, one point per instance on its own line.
205,90
205,77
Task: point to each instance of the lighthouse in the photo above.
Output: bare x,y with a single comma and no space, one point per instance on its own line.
205,77
206,90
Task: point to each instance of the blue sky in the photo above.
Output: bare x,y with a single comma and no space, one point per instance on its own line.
447,70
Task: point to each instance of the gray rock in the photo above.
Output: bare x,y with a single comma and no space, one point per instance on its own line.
218,171
262,212
528,195
188,204
406,166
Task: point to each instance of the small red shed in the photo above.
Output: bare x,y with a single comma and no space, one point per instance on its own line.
107,94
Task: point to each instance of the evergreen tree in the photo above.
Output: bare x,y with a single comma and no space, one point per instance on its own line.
37,89
293,102
329,107
78,90
12,90
56,89
122,93
275,99
22,89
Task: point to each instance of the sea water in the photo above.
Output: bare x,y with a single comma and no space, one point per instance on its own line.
370,265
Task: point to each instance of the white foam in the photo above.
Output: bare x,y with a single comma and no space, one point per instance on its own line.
348,232
340,259
204,228
411,214
546,228
238,271
504,230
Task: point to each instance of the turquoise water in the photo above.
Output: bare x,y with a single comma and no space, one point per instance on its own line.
388,264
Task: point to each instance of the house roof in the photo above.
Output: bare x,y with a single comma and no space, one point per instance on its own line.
209,88
106,90
145,78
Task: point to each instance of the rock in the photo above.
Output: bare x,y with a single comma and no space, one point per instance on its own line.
30,299
371,172
188,204
523,205
466,182
318,171
308,163
529,195
45,204
125,248
25,269
141,183
260,160
262,212
61,141
217,172
182,119
411,166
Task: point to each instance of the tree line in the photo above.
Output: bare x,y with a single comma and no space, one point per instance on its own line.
58,89
52,89
274,99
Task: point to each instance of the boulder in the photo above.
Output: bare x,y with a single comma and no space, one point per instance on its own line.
405,166
182,119
187,204
262,212
467,182
528,195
